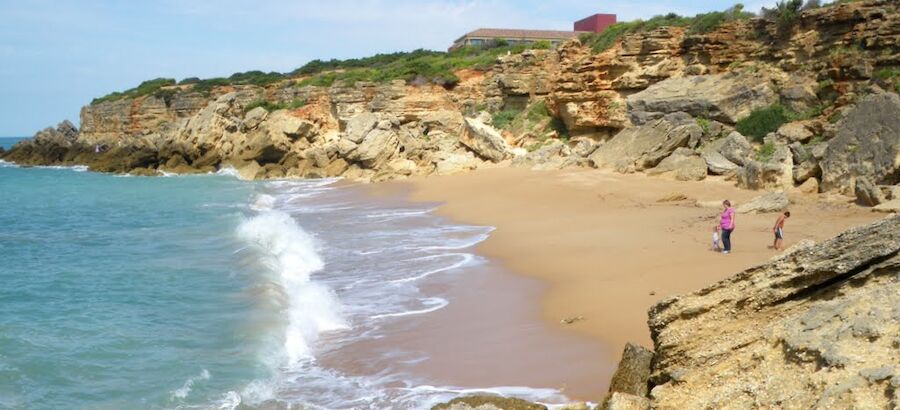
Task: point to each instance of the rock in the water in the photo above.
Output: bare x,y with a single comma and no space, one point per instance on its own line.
643,147
485,141
814,328
771,202
684,164
866,145
724,97
867,194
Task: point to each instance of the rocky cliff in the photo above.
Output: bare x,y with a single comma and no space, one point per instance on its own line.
811,105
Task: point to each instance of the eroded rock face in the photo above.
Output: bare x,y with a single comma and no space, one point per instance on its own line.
643,147
818,327
866,144
485,141
724,97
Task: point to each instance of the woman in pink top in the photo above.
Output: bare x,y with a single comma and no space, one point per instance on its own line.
726,221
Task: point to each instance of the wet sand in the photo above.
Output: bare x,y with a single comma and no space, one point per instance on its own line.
603,248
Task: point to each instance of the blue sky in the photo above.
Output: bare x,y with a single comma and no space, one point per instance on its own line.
57,55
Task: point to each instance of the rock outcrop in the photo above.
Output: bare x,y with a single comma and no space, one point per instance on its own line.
866,144
818,327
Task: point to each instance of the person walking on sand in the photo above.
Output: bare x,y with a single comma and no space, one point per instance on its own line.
726,222
778,229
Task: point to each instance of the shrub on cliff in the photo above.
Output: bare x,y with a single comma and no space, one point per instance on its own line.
762,121
785,13
273,106
145,88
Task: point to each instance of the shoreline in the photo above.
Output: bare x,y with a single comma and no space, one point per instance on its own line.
600,242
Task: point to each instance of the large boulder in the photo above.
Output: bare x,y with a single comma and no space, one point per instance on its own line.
449,164
736,149
816,328
866,144
867,193
642,147
724,97
684,164
771,202
485,141
773,172
358,126
377,148
717,164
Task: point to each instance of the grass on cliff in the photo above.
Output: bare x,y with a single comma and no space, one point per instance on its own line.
417,67
699,24
145,88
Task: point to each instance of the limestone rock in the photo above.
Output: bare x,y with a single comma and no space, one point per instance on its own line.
736,148
377,148
717,164
253,118
358,126
485,141
814,328
283,123
810,186
488,403
633,374
684,164
250,171
867,194
795,132
724,97
624,401
771,202
892,206
866,145
643,147
455,163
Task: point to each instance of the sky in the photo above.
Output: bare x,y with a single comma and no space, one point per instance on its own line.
55,56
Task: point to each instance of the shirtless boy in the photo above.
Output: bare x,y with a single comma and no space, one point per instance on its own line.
778,229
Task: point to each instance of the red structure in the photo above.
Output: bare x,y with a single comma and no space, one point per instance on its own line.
595,23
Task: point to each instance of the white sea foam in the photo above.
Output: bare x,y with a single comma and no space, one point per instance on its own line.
5,164
185,389
228,170
432,303
263,202
290,255
465,259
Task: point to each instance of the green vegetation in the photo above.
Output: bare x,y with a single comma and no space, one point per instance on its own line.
762,121
704,124
417,67
273,106
504,119
785,13
887,74
145,88
765,152
699,24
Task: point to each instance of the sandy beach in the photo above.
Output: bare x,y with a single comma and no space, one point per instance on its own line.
606,249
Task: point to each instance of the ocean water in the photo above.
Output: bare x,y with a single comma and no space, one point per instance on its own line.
7,142
201,292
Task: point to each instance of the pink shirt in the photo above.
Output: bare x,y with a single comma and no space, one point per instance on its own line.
728,219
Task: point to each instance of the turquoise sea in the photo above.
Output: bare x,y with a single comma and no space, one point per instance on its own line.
207,292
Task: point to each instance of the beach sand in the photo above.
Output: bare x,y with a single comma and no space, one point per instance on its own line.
605,248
